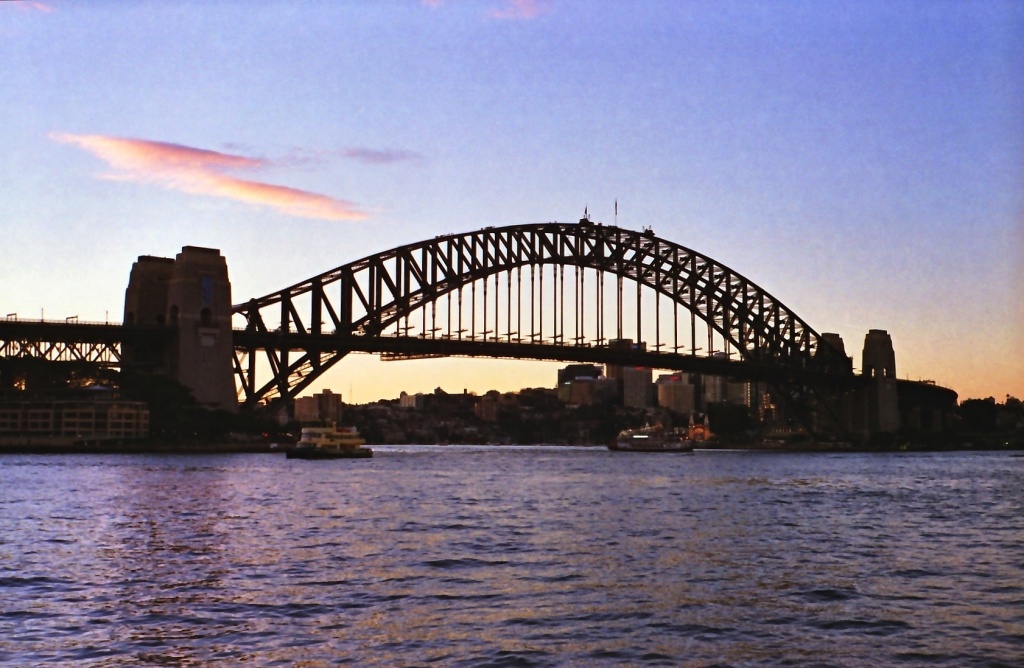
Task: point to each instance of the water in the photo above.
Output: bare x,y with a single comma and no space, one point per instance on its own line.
513,557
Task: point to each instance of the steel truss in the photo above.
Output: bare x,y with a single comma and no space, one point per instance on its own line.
61,341
303,330
105,354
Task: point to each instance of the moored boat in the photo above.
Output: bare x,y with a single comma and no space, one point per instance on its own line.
329,442
653,439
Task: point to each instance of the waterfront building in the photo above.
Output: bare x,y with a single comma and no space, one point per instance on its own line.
72,421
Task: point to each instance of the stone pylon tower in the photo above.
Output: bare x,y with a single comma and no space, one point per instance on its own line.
835,410
145,305
145,300
881,408
192,295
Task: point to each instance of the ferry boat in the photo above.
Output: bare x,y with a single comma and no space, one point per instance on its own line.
653,439
329,442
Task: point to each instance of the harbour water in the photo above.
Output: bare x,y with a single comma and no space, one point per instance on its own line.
463,556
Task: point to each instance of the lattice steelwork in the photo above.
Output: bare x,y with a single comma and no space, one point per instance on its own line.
547,291
105,354
61,341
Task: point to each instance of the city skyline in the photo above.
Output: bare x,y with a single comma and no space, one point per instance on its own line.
864,164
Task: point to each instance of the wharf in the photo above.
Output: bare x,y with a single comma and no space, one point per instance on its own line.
70,447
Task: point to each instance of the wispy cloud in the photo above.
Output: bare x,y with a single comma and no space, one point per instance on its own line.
373,156
507,9
204,172
25,5
305,158
520,9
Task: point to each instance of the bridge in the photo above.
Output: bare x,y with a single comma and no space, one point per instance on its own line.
582,292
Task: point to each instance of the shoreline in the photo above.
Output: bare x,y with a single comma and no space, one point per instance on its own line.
146,448
175,448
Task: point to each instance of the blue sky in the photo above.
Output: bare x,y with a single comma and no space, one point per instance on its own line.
863,162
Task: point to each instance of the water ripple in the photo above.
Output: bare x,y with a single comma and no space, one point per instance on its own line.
513,557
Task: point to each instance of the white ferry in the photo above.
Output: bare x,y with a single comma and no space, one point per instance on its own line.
329,442
653,439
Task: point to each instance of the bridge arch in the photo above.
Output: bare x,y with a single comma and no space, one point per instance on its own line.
323,318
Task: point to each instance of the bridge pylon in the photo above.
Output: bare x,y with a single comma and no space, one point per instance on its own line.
880,401
192,295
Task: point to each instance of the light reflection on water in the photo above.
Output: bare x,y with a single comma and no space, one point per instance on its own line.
514,556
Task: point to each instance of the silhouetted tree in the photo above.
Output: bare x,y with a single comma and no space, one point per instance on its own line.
979,414
730,420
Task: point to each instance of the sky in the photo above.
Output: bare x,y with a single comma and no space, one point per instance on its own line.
862,162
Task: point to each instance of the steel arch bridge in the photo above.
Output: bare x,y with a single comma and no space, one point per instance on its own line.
543,291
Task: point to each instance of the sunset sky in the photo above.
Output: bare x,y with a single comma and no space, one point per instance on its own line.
863,162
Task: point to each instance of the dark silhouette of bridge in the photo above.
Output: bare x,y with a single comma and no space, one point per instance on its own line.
582,292
554,291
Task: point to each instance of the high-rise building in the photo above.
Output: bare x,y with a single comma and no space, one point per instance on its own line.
675,393
614,371
636,383
721,389
574,371
637,387
323,407
582,385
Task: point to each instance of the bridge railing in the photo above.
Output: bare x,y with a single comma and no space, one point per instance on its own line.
70,320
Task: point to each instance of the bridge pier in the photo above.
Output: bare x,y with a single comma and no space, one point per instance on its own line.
880,412
192,295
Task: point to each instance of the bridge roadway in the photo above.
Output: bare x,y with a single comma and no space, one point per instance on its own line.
412,347
73,341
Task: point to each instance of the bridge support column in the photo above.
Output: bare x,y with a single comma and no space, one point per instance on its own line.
880,404
191,293
145,303
835,405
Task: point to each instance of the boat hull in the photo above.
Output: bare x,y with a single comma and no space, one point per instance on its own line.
668,447
653,439
324,453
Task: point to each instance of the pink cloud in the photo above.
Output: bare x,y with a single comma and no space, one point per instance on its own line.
288,200
520,9
34,6
155,156
508,9
202,172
